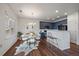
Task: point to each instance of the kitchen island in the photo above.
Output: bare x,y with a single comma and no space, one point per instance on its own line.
60,39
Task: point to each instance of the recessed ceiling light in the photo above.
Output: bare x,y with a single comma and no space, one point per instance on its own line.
65,13
58,16
57,11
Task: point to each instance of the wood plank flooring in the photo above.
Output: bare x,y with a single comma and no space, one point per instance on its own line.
12,50
73,51
45,49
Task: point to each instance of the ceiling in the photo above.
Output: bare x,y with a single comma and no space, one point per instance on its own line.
44,11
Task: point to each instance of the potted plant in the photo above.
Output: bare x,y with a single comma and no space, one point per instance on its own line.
19,35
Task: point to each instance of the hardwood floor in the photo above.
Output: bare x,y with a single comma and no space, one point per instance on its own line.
45,49
73,51
12,50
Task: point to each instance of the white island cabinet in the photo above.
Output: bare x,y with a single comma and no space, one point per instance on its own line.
60,39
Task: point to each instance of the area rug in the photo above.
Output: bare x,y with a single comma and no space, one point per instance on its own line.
25,48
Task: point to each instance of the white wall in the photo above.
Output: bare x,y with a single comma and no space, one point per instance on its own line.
23,25
7,39
73,27
78,30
